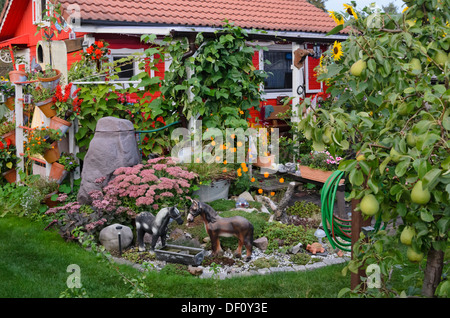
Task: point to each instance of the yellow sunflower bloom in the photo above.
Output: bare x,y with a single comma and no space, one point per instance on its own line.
338,19
337,51
349,9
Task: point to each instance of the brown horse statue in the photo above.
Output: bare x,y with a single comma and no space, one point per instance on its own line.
216,226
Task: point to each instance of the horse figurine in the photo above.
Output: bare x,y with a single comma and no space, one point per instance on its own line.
157,225
216,226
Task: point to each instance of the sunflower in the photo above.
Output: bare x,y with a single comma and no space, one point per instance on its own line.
336,17
349,9
337,51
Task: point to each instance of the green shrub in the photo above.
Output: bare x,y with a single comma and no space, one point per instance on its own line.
303,209
265,263
300,258
287,235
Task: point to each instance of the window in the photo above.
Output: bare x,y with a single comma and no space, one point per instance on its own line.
38,10
279,69
127,69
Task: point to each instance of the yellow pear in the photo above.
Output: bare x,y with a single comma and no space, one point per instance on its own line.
420,195
358,67
407,235
414,256
440,57
415,67
369,205
395,155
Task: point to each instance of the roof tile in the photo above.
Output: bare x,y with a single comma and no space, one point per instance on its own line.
279,15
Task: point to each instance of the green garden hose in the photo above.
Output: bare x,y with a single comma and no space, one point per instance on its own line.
338,230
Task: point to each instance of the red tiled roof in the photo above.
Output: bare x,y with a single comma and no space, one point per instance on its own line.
279,15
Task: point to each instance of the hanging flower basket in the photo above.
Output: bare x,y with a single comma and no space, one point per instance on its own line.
59,123
11,136
52,155
17,76
10,103
46,107
10,175
50,82
58,172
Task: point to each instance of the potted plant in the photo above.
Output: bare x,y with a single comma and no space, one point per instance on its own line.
18,76
318,165
213,180
43,98
63,103
97,53
49,78
65,164
8,162
44,141
46,188
8,131
8,92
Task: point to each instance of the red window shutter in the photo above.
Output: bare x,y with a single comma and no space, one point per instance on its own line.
313,84
255,60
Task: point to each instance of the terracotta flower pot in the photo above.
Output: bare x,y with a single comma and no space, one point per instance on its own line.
10,175
48,200
50,82
59,123
265,161
57,172
10,103
46,107
17,76
52,154
11,136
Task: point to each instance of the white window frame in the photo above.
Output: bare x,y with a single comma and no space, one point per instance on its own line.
125,53
274,93
36,7
307,89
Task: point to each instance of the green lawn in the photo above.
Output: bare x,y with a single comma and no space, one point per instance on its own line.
33,264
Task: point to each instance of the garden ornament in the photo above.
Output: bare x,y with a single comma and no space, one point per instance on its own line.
157,225
217,226
300,56
315,248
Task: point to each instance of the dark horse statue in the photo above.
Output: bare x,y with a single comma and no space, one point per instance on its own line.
216,226
157,225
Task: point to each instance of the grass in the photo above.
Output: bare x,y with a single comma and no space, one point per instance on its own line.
34,264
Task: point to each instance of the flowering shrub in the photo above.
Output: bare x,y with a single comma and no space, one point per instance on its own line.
320,160
105,209
40,140
158,183
69,161
97,51
8,158
67,104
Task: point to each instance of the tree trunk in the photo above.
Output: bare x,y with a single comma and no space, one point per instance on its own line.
433,272
280,214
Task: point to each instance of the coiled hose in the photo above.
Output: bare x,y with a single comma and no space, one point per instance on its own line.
337,230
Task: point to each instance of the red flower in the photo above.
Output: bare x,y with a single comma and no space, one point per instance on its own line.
90,49
98,52
99,44
161,120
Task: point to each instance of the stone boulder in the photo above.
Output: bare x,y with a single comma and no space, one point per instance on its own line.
114,145
109,237
261,243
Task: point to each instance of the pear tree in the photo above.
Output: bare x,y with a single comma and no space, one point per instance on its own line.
388,113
